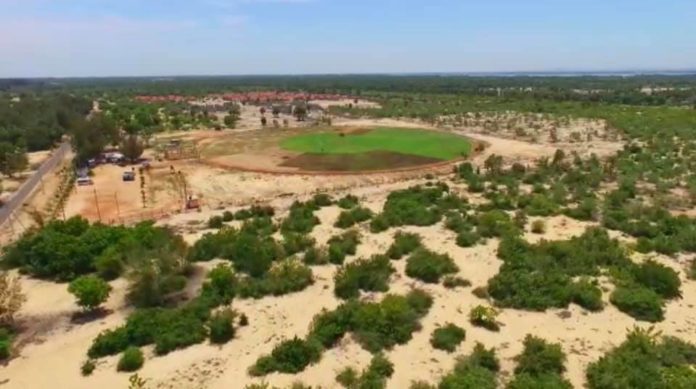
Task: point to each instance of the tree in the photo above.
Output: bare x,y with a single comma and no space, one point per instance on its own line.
90,291
13,158
132,148
11,298
300,113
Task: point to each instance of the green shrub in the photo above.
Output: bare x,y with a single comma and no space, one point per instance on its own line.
322,200
348,202
638,302
376,326
252,254
495,223
468,238
109,265
243,320
221,284
221,327
404,244
352,217
541,381
316,256
370,275
131,360
227,216
90,291
88,367
294,243
453,282
587,294
659,278
428,266
476,371
287,276
291,356
216,222
481,292
343,245
416,206
212,246
540,357
178,330
538,226
301,218
482,316
109,342
645,360
374,377
448,337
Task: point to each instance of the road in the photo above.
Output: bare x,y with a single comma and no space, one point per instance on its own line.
22,194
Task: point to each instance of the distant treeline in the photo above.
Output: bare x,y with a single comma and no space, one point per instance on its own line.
629,90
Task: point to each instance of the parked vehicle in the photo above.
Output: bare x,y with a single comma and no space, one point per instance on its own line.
128,176
84,181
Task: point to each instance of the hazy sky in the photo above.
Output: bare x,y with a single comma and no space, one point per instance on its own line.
177,37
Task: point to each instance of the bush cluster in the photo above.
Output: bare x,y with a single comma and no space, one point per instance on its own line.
453,282
348,202
340,246
377,326
477,370
540,365
645,360
221,326
354,216
447,337
374,377
301,218
417,206
284,277
404,243
255,211
369,275
428,266
65,250
541,276
291,356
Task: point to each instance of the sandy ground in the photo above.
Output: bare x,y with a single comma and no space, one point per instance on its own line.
55,346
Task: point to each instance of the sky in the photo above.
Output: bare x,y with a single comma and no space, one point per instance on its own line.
86,38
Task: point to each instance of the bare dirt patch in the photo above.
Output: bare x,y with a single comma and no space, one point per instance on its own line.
373,160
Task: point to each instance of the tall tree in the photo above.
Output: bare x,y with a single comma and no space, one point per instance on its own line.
13,158
132,148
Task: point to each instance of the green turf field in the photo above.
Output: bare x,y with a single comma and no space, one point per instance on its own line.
423,143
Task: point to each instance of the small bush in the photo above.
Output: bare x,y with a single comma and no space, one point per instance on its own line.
284,277
476,371
322,200
348,202
370,275
587,295
404,243
291,356
216,222
90,291
486,358
221,284
221,327
243,320
316,256
482,316
227,216
638,302
453,282
481,292
109,342
538,226
131,360
88,367
294,243
659,278
448,337
352,217
343,245
373,377
428,266
468,238
540,357
541,381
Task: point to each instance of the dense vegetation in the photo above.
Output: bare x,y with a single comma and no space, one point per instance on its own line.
645,360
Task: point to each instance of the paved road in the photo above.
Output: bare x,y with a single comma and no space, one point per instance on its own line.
28,187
